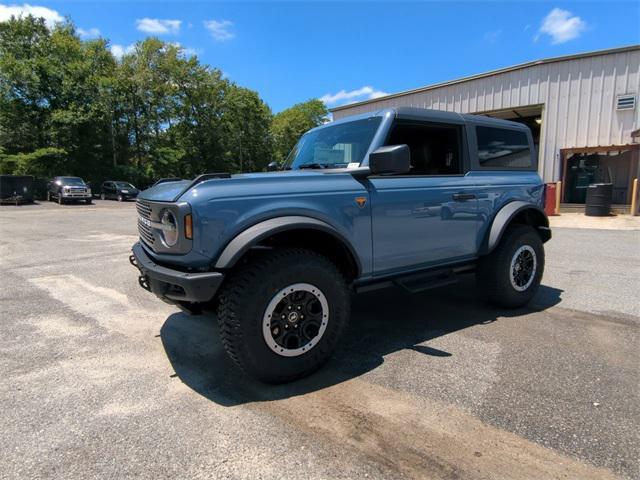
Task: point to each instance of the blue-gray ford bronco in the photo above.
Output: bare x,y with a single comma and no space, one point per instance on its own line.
404,196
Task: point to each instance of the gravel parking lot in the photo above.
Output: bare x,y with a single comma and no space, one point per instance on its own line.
102,380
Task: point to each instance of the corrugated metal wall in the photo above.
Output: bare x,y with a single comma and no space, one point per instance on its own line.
578,98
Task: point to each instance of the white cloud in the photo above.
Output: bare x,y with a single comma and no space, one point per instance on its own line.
51,17
492,36
89,33
158,25
561,26
119,51
220,29
187,51
364,93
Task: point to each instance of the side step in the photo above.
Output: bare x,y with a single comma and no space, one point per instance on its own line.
420,282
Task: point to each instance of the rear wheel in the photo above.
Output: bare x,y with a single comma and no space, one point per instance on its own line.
511,274
282,314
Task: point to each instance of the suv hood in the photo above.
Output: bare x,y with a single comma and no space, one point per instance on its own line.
165,192
292,181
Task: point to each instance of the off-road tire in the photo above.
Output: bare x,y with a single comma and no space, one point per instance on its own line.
494,270
248,291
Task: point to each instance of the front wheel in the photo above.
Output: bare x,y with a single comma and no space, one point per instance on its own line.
510,275
282,314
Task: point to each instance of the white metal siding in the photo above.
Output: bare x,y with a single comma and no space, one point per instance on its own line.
578,97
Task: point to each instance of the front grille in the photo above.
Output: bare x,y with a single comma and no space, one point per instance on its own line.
146,232
144,209
75,191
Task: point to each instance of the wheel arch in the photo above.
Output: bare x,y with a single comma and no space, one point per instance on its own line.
299,231
517,212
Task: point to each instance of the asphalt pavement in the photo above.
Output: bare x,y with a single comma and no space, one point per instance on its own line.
102,380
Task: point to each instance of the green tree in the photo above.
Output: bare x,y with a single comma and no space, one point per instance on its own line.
245,127
50,96
68,106
289,125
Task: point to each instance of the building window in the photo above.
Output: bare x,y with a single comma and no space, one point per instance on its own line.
503,148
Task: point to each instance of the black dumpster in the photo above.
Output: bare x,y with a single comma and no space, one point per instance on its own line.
15,189
598,201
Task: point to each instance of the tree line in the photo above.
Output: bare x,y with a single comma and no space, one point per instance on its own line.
69,107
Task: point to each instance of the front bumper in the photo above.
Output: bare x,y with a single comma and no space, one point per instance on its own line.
174,286
76,196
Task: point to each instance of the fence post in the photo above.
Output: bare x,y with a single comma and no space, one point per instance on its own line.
558,195
634,197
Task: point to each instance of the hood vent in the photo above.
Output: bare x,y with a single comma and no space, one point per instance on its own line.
626,102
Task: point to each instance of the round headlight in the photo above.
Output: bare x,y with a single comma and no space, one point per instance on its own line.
169,228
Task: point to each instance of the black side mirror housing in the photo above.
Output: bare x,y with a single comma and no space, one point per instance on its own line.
273,166
390,159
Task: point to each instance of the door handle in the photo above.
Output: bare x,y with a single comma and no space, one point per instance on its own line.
461,197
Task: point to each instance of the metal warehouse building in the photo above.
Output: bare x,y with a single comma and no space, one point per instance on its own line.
582,109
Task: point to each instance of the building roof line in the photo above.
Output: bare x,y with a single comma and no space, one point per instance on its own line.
512,68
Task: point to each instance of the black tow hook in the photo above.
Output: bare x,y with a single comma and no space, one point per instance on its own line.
132,260
143,280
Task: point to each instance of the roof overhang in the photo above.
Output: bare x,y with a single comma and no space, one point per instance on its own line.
564,58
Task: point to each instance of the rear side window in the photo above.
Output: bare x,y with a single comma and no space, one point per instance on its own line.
503,148
435,149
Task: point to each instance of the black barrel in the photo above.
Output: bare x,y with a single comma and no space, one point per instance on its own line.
598,202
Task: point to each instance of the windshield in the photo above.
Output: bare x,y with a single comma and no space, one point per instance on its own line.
124,185
72,181
335,146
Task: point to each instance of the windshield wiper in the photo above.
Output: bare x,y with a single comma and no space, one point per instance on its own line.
313,165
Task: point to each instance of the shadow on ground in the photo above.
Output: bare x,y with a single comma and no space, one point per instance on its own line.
382,322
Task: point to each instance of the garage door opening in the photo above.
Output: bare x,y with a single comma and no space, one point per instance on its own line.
582,167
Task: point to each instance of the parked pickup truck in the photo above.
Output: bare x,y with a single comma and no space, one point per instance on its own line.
405,196
68,189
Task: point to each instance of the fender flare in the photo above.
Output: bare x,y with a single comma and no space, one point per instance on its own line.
250,237
503,218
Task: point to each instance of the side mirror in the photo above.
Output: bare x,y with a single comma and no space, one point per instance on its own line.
390,159
273,166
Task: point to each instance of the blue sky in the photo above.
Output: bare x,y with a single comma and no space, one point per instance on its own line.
341,52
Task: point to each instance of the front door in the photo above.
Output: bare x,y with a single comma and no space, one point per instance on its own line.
430,215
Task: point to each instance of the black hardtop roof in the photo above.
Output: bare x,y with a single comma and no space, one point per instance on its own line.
426,114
